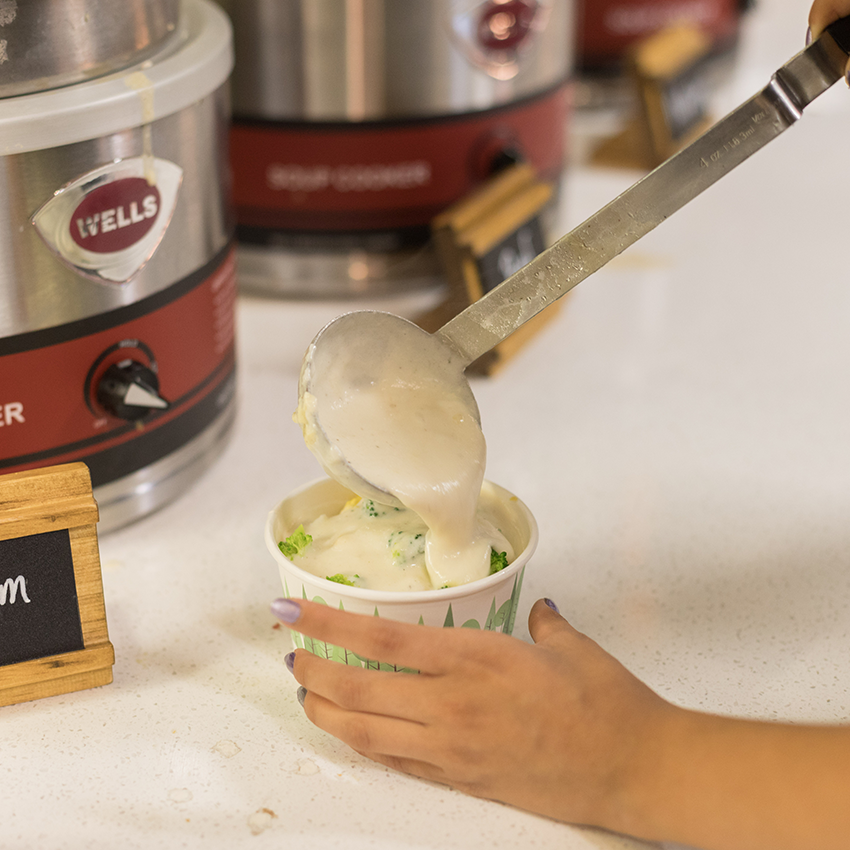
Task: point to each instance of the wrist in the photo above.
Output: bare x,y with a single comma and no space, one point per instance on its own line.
644,804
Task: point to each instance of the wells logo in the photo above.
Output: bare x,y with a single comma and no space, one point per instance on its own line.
107,223
116,215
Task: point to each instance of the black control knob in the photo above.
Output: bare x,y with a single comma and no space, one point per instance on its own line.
130,390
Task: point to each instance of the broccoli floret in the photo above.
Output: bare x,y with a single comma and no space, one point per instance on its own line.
406,547
339,578
296,543
373,509
498,561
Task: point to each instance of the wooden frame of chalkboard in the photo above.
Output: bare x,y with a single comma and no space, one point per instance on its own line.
672,70
483,239
53,633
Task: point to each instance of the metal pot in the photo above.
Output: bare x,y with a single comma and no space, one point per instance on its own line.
117,281
357,121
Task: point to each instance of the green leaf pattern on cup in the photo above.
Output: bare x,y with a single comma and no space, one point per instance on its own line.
501,620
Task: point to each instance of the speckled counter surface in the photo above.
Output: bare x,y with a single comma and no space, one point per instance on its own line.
682,433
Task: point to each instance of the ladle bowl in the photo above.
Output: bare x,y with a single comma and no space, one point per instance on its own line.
347,357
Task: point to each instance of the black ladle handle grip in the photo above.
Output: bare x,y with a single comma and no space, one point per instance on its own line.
840,32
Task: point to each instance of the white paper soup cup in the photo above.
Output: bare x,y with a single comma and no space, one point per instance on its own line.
489,603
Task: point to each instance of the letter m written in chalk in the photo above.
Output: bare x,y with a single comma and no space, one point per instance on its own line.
11,588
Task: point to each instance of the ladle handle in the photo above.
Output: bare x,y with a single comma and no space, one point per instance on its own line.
643,206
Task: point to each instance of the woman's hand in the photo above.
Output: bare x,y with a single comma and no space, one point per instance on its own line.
560,728
563,729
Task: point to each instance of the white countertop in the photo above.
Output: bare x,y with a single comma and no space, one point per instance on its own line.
682,433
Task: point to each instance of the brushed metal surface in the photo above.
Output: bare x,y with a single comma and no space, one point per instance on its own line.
355,60
52,43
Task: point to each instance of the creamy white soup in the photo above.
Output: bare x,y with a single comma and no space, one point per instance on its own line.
380,547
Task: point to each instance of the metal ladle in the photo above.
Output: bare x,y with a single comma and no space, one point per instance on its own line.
355,341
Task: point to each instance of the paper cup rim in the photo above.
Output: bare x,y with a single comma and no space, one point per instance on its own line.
405,596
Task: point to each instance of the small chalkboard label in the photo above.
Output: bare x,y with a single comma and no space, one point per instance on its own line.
672,70
482,240
53,636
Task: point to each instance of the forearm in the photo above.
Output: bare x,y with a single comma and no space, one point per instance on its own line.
727,784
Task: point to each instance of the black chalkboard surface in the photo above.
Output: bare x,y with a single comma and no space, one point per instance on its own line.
684,98
516,250
39,611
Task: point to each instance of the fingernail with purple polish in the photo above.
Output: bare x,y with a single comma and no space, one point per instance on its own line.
301,693
808,36
286,610
552,605
289,660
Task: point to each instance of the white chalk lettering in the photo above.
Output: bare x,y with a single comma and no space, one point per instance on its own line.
513,259
11,588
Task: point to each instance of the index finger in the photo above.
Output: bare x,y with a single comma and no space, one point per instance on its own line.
400,644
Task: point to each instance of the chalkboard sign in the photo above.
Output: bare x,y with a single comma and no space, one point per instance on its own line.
672,70
53,636
482,240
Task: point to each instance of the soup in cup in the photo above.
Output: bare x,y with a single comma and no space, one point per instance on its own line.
487,603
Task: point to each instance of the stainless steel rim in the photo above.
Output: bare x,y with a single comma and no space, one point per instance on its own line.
46,44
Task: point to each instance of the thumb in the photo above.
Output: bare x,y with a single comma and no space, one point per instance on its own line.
545,620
